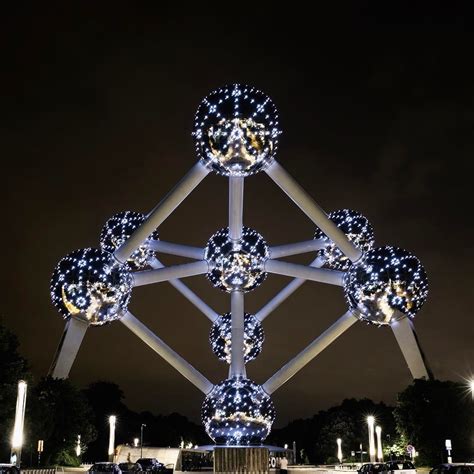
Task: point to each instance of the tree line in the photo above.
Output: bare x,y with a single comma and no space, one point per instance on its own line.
425,415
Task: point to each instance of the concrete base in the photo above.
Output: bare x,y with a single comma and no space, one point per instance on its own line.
241,460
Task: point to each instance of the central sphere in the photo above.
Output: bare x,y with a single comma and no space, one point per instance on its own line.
238,412
387,285
236,130
119,228
237,265
91,285
357,229
221,337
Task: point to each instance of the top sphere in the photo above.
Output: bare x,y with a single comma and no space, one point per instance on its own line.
357,229
119,228
91,285
236,130
387,285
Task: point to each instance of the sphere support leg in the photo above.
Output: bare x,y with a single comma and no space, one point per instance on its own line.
68,348
236,206
407,340
237,365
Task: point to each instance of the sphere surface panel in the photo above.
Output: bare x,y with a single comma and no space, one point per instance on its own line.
238,412
236,130
387,285
91,285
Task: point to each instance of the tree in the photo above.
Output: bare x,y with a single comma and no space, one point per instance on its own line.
58,413
430,411
13,367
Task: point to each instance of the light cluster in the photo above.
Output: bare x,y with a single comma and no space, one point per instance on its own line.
236,265
91,285
357,229
236,130
221,337
238,412
119,228
386,285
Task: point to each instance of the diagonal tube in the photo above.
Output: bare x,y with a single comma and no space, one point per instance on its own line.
162,349
236,206
309,353
177,249
148,277
287,291
304,201
237,364
169,203
188,294
332,277
296,248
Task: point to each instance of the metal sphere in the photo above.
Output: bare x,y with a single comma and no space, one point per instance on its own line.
236,265
238,412
387,285
236,130
91,285
119,228
221,337
357,229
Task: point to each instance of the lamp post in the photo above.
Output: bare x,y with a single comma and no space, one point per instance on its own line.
112,421
141,439
78,446
471,386
370,423
17,437
378,431
339,450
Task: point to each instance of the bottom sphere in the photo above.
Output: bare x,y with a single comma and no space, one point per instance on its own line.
238,412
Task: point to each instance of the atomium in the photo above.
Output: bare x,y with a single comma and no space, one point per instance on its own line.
237,265
357,229
91,285
221,337
236,134
236,130
238,412
119,228
387,285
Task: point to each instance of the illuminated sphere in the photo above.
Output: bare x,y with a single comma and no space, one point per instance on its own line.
357,229
118,229
387,285
236,130
91,285
238,412
236,265
221,332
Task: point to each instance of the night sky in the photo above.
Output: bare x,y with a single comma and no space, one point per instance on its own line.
377,113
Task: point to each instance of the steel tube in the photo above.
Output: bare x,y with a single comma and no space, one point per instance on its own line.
177,249
236,206
148,277
237,365
296,248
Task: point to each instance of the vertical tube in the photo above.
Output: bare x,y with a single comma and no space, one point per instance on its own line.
17,437
237,365
370,425
378,431
236,205
339,450
112,420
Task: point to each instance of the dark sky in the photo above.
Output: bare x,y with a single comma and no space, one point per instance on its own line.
377,112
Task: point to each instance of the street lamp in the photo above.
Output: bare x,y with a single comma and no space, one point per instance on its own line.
17,437
339,450
471,386
112,421
78,445
378,431
141,439
370,423
135,442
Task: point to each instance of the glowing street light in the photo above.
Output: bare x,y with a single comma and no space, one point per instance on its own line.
78,446
471,386
112,420
17,437
378,431
135,442
339,450
370,423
